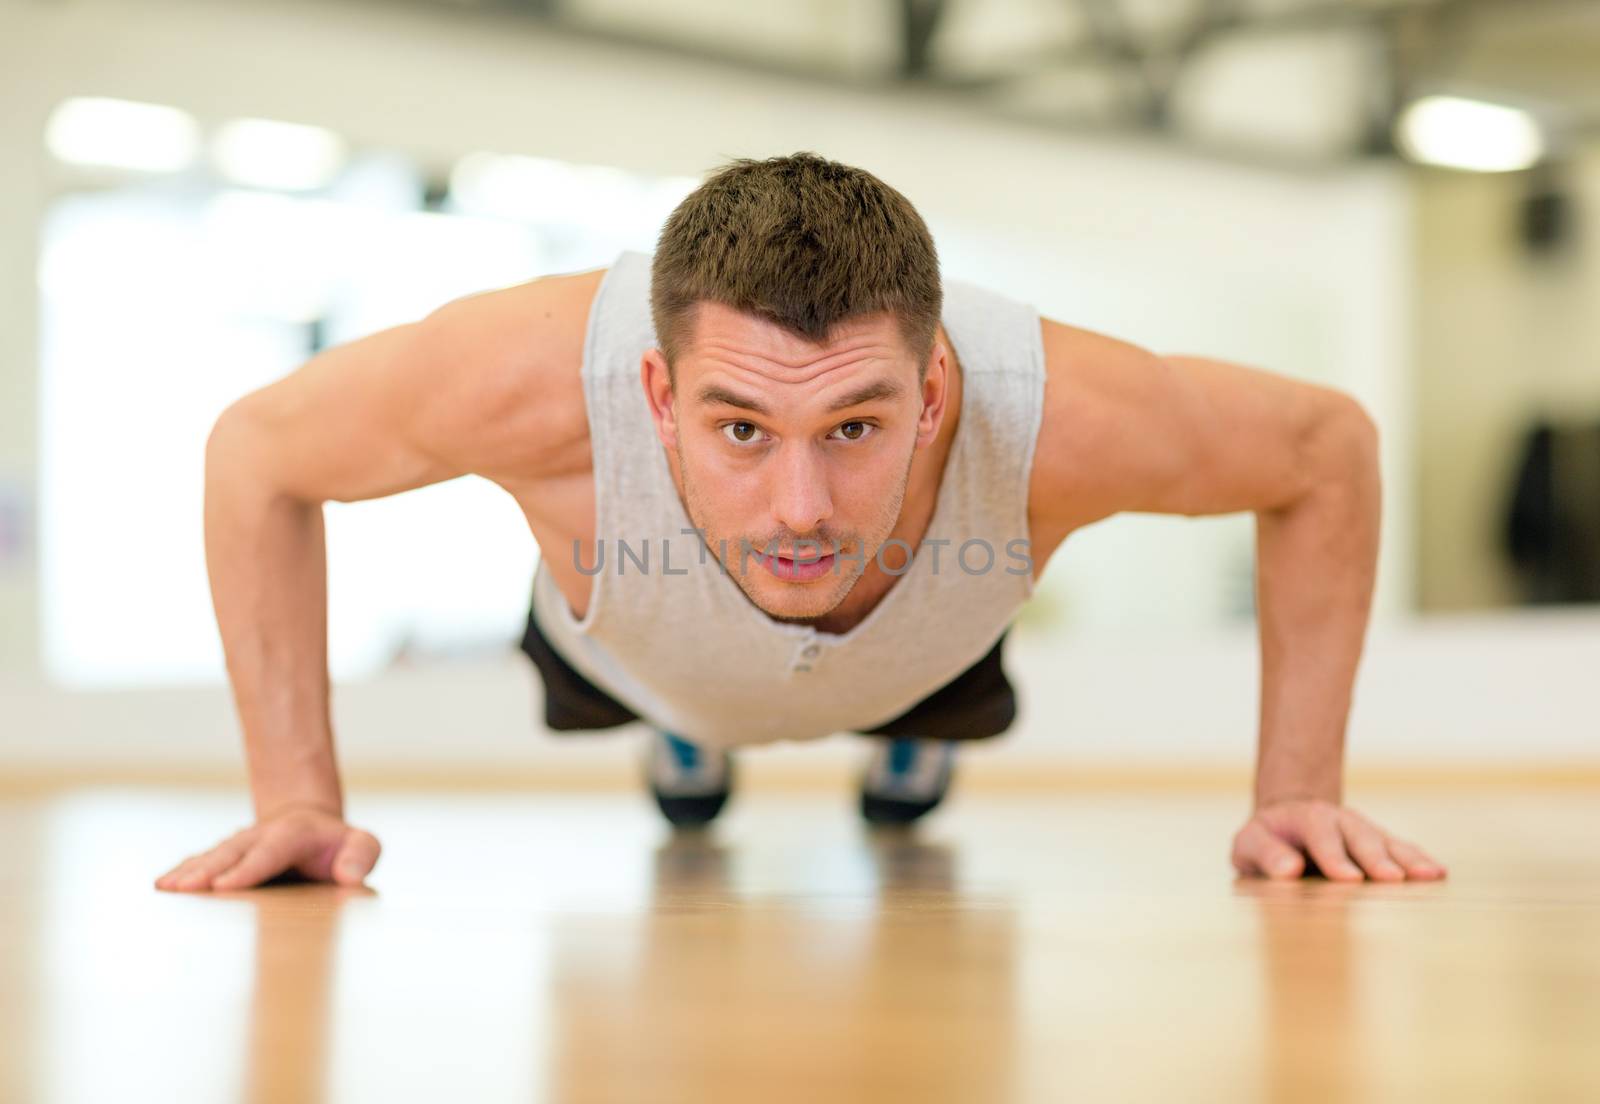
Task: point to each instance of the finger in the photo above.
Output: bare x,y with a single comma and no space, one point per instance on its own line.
1369,848
1257,851
217,860
1417,863
170,878
263,861
187,874
356,858
1326,847
232,844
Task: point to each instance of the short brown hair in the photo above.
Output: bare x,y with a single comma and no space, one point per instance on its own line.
801,241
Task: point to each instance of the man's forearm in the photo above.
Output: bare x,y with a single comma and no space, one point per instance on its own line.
266,555
1316,561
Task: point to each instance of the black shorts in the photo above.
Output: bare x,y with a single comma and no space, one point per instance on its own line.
978,703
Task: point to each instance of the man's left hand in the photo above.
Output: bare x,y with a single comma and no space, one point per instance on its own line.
1344,845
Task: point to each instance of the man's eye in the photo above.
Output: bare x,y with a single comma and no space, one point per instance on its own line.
861,430
740,433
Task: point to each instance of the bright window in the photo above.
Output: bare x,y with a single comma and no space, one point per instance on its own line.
165,300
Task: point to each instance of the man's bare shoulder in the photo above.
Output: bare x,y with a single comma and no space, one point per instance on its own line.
1092,382
512,407
1125,430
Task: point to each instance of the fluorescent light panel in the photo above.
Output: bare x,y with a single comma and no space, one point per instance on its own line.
1467,134
265,153
122,134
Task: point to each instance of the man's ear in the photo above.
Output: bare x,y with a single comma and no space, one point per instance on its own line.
658,393
935,389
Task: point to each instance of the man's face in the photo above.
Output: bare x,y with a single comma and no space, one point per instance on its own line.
780,442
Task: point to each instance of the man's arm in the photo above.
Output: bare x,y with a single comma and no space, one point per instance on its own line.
458,392
1126,430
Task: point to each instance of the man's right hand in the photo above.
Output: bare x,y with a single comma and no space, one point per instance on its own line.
306,840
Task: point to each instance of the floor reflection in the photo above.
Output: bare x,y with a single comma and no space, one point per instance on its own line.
745,972
291,1012
872,976
570,948
1307,963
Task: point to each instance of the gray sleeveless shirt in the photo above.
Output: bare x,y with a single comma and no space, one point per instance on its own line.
677,640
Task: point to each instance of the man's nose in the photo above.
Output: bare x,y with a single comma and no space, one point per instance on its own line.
800,499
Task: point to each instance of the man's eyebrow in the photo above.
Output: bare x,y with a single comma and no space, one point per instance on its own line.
716,394
868,392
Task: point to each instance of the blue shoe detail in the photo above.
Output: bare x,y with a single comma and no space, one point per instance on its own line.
902,755
690,784
687,755
907,778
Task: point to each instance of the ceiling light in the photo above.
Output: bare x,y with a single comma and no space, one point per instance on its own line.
122,134
1469,134
264,153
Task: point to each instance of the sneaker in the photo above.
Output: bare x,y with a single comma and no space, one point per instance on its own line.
906,778
690,785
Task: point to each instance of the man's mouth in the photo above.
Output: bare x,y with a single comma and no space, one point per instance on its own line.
798,568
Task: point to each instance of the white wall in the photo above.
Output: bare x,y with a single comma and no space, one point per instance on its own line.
1480,694
1301,274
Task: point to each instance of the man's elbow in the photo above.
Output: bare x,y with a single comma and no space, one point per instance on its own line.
1356,429
241,454
231,434
1345,443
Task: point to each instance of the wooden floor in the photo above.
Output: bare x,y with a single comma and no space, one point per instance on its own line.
529,946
